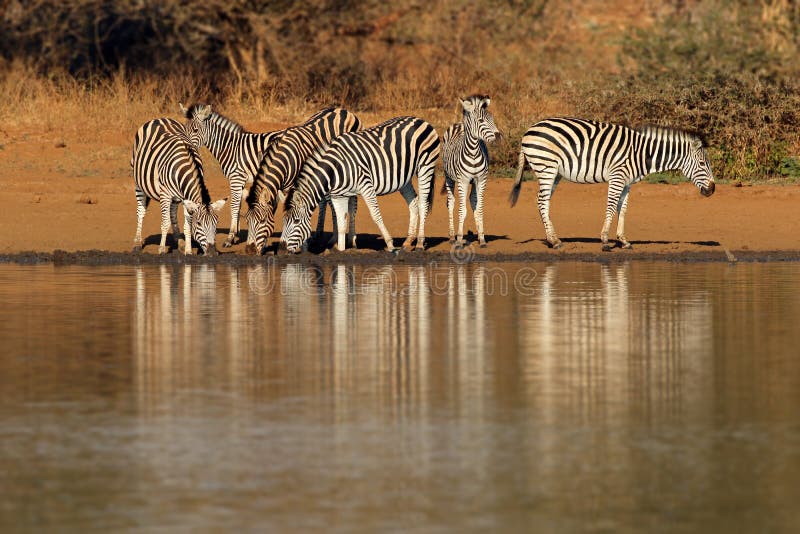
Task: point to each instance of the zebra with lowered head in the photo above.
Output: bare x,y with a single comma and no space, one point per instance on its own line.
281,164
466,161
376,161
237,151
586,151
166,167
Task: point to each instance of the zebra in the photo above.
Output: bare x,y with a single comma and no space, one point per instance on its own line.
238,152
166,166
587,151
281,164
372,162
466,160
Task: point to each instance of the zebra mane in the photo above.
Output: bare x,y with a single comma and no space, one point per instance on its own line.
198,163
219,120
661,132
223,122
304,175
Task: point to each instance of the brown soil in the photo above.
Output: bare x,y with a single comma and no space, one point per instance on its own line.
77,194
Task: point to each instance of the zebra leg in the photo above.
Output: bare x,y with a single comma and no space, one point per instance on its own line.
547,186
476,200
425,177
236,204
462,186
173,219
141,208
621,207
615,188
451,199
334,240
187,230
412,200
166,206
371,200
340,205
323,207
351,231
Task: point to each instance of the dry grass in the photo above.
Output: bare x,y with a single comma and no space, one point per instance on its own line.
703,66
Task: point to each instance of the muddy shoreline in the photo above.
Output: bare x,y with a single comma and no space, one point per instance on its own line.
102,257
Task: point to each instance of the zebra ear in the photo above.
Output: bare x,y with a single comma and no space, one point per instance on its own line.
184,111
697,144
216,206
468,106
203,112
485,102
190,206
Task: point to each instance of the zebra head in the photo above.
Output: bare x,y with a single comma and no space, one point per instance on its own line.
296,226
478,121
696,167
260,219
204,223
197,126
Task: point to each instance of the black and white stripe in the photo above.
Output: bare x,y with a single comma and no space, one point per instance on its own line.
376,161
466,161
166,167
586,151
281,164
238,152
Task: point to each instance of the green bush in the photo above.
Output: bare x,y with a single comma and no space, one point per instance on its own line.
728,70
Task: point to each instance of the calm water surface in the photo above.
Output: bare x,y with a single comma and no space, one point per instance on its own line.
547,398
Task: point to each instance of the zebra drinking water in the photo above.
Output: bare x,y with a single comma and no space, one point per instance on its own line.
166,166
586,151
281,164
237,151
466,160
376,161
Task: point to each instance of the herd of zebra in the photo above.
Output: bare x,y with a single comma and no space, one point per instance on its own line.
331,159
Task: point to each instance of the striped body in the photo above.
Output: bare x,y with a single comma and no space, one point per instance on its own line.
281,164
376,161
238,152
166,167
466,161
585,151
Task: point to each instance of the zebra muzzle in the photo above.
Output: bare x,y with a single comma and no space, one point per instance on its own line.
708,191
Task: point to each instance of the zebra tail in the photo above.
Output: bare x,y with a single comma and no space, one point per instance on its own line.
514,196
431,193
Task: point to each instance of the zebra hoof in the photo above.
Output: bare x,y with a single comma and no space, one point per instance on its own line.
483,244
557,245
607,247
163,250
137,249
227,244
626,245
452,240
